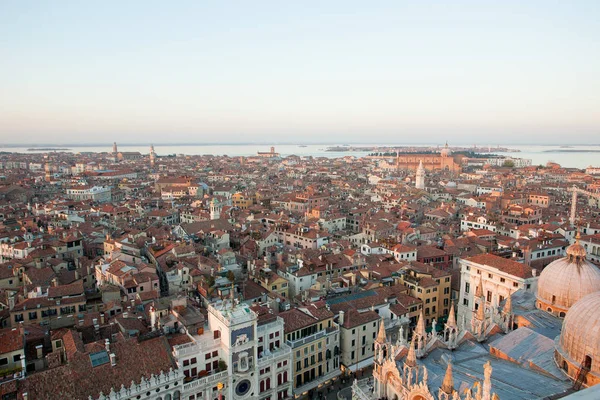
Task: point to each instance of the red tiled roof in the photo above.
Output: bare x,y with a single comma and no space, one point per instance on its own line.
10,340
505,265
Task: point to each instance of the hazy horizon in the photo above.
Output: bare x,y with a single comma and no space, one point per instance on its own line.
340,72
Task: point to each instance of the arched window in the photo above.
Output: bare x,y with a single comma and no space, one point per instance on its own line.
587,364
562,314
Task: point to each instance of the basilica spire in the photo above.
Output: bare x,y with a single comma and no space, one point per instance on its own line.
451,323
411,357
479,290
381,336
448,383
507,309
420,328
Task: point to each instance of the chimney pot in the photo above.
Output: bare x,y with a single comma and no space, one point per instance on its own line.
39,351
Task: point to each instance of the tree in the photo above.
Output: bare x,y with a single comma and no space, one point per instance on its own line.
230,276
509,164
210,281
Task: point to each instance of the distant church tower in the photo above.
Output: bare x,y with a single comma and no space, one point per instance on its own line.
152,156
48,171
215,209
115,152
420,181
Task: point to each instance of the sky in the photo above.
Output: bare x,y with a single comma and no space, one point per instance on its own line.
299,72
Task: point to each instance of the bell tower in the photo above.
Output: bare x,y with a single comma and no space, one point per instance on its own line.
420,177
152,156
215,209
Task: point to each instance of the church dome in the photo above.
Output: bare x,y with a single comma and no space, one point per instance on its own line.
579,341
565,281
446,152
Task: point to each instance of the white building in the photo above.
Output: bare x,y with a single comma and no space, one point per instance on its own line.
242,355
516,162
97,194
494,278
476,222
420,178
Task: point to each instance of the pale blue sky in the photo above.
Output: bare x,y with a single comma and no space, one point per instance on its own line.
311,71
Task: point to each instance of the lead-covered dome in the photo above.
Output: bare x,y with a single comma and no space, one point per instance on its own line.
579,343
565,281
446,152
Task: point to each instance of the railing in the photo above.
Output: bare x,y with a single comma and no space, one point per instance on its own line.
194,347
358,391
581,374
270,325
284,350
205,381
299,342
317,381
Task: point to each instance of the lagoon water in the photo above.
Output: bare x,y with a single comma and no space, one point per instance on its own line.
539,154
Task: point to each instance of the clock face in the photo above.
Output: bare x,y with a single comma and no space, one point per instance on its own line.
243,387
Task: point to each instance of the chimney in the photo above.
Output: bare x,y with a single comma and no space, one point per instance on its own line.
125,314
101,318
113,359
534,272
341,318
38,351
107,345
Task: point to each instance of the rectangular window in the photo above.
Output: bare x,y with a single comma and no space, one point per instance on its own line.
467,287
489,296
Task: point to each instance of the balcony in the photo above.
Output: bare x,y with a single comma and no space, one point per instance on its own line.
206,382
283,351
315,336
317,382
361,390
195,347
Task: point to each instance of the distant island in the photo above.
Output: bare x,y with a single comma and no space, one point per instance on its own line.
572,151
47,149
418,149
